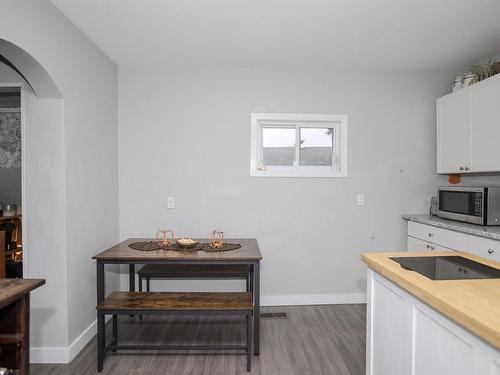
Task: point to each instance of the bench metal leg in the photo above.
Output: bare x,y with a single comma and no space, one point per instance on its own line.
115,332
140,290
249,342
131,279
100,341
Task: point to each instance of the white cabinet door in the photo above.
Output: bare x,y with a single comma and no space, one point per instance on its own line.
453,133
439,351
416,244
485,126
484,247
391,335
442,237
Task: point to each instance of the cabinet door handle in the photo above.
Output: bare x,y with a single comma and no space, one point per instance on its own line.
466,168
491,251
431,234
431,247
461,168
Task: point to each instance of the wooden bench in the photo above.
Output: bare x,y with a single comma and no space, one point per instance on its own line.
168,303
193,271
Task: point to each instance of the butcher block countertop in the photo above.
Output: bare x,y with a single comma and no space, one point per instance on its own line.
474,304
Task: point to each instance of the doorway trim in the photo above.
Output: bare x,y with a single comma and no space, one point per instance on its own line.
23,168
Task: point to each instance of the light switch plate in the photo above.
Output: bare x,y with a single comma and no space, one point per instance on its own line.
360,200
170,202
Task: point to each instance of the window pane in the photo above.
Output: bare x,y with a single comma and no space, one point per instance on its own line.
316,146
278,146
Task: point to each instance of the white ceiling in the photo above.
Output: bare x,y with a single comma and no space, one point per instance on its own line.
352,34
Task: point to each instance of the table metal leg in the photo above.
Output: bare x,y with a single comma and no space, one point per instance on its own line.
100,317
148,284
251,282
256,275
131,277
100,341
249,342
100,281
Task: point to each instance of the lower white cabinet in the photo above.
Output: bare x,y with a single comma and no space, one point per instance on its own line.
434,343
407,337
416,244
391,333
485,247
438,236
422,237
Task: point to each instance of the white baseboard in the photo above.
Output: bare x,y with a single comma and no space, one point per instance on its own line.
67,354
82,340
313,299
49,355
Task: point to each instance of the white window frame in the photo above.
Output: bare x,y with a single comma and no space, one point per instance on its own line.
298,120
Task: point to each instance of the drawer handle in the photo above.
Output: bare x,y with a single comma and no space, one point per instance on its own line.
491,251
431,247
431,234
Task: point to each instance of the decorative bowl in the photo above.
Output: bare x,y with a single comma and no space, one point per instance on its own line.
186,243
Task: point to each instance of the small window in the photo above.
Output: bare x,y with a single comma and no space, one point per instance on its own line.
298,145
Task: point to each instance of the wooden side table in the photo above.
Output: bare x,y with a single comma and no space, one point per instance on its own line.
14,323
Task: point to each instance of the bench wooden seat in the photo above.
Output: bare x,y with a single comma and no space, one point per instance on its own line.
172,303
193,271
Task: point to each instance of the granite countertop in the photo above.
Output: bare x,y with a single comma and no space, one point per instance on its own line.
474,304
492,232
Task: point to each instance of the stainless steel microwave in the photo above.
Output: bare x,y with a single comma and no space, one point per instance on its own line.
475,205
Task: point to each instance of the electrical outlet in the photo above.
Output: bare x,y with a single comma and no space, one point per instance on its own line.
170,202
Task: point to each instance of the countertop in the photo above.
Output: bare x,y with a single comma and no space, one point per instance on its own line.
492,232
13,289
473,304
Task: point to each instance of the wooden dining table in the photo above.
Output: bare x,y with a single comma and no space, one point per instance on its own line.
248,254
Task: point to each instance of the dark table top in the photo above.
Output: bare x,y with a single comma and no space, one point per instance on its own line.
249,251
13,289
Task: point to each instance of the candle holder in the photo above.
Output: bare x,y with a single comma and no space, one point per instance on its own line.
162,235
216,239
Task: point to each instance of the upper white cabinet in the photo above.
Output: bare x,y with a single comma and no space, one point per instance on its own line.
485,121
453,129
468,129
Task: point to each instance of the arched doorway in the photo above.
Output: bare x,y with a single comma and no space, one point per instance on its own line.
43,193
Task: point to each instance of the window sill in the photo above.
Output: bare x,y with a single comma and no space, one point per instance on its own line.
328,173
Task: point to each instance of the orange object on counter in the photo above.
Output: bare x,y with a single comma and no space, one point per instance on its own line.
454,179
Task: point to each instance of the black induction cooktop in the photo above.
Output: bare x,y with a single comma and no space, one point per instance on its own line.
448,267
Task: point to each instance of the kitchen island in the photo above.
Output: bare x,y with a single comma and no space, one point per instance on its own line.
420,326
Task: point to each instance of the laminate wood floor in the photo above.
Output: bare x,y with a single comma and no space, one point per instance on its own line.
328,339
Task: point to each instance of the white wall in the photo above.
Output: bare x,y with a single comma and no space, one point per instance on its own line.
44,213
83,151
185,133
